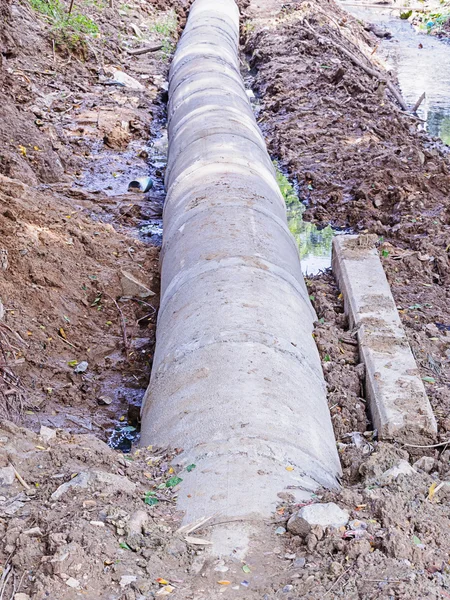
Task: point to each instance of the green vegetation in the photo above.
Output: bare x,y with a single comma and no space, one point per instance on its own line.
68,29
166,28
311,241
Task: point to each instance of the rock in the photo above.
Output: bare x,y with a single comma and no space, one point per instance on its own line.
299,563
112,484
127,80
117,138
132,287
325,515
106,400
7,475
425,463
127,580
107,483
298,526
401,468
82,367
176,546
47,433
73,583
21,596
80,481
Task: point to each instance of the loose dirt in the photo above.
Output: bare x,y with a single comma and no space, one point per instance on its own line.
70,143
362,164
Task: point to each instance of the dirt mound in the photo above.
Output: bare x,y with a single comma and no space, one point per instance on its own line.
361,163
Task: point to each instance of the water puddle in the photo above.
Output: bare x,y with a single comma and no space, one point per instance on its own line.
421,63
314,244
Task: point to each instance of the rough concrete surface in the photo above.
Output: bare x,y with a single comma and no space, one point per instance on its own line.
397,399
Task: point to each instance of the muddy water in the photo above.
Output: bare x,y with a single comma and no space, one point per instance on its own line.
419,69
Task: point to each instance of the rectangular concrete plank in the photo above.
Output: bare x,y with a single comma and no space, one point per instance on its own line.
397,400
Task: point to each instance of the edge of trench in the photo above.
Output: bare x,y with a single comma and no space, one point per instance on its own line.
246,398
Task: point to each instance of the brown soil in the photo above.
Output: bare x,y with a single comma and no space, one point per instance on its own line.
362,164
68,228
70,145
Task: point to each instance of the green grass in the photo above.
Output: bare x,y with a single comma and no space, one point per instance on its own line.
67,29
166,29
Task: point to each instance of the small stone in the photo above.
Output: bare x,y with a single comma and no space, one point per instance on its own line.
80,481
81,367
132,287
401,468
280,530
425,463
105,400
21,596
299,563
325,515
288,588
298,526
7,475
73,583
176,547
47,434
127,580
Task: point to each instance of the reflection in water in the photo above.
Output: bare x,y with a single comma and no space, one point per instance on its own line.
424,68
314,245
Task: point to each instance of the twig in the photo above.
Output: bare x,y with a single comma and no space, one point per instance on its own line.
123,324
71,6
20,478
337,581
144,50
418,103
430,446
358,63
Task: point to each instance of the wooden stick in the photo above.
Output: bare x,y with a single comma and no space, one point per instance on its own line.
418,103
144,50
71,6
20,478
368,70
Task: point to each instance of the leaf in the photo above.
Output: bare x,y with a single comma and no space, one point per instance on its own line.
224,582
151,500
432,490
173,481
129,428
289,468
124,546
246,569
190,468
385,253
327,358
72,363
62,333
416,541
162,581
312,298
429,379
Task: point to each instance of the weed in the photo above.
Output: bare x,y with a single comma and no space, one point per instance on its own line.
67,28
166,28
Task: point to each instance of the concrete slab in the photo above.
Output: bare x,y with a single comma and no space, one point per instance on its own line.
396,395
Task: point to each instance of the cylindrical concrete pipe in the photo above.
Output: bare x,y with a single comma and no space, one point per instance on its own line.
236,381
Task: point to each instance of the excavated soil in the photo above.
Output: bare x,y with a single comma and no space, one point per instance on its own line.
79,519
362,164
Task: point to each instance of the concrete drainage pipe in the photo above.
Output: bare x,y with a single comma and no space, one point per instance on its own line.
236,381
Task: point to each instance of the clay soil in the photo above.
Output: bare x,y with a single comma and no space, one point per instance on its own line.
81,520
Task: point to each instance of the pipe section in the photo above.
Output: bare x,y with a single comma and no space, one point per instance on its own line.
237,380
